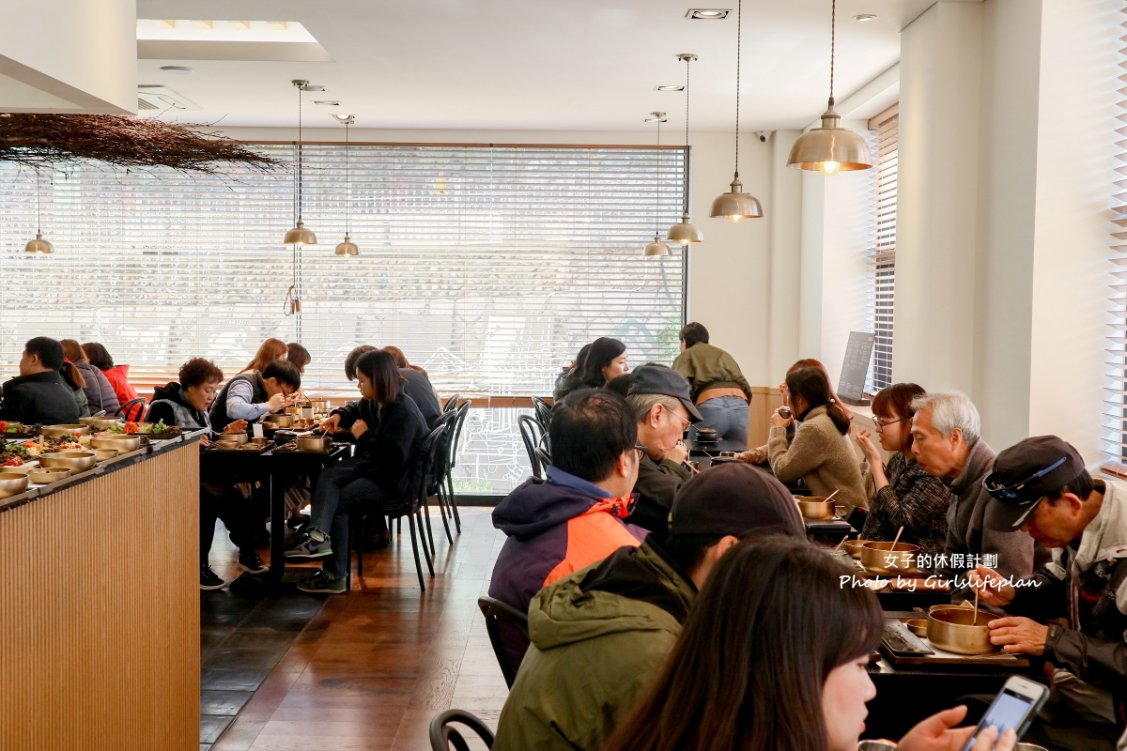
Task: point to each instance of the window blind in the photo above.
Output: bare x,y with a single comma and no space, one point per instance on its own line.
1115,418
490,266
882,253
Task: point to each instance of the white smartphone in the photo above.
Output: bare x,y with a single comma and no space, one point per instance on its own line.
1015,706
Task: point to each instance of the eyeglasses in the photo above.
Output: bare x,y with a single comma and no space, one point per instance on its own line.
1013,492
685,422
642,450
882,424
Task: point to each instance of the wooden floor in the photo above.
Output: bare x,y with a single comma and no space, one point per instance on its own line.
373,668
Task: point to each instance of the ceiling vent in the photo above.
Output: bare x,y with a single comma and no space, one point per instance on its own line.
154,98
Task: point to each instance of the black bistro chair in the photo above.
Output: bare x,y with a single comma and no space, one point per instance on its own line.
133,410
451,499
543,412
443,737
503,621
531,434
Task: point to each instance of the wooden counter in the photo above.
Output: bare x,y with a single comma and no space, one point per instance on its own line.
99,608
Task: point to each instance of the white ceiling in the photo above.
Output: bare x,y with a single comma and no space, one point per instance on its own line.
533,64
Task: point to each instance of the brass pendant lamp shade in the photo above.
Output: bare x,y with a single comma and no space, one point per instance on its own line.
299,235
347,247
735,204
685,232
38,245
830,149
657,247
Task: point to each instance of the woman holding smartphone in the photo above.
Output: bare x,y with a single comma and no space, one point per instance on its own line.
754,671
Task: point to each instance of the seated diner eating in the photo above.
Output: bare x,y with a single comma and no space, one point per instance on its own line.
39,395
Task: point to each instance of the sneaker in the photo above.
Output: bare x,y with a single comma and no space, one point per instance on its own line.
314,545
208,579
323,583
251,563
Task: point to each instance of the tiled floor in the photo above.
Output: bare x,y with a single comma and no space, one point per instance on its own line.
365,670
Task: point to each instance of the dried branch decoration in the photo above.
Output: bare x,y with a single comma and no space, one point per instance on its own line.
50,140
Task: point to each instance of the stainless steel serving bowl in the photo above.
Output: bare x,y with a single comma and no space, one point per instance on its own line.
47,476
75,461
12,483
62,431
119,443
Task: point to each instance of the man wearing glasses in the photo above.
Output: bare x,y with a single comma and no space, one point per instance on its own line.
661,403
576,517
1076,618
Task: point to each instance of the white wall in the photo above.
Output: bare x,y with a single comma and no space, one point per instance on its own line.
82,58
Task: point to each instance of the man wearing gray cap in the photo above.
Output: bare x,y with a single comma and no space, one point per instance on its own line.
1076,616
660,400
599,635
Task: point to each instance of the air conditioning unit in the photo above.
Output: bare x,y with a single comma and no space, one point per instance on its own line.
154,98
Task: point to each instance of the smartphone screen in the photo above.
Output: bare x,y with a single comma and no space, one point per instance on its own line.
1009,710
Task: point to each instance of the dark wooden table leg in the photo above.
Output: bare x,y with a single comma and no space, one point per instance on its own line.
277,527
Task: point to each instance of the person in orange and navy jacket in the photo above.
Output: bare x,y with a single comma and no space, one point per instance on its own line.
575,518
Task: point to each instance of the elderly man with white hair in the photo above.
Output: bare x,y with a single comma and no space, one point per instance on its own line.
946,442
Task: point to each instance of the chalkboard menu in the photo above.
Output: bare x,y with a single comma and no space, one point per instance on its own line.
855,367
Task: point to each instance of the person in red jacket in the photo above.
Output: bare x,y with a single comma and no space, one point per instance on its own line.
117,375
575,518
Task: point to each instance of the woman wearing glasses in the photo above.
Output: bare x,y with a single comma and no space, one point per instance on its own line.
906,495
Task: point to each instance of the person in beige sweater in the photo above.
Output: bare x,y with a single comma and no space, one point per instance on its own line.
820,453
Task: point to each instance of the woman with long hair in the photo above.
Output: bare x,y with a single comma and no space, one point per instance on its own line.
99,392
270,350
758,667
389,430
820,454
72,377
117,375
604,360
905,494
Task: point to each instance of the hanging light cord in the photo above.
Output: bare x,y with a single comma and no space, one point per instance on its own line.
347,185
685,192
297,185
38,206
833,46
739,38
657,193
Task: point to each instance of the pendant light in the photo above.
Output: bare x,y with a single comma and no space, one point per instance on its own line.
347,248
299,235
830,148
38,245
735,204
685,232
657,247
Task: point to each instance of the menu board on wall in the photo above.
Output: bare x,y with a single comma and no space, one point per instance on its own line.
855,367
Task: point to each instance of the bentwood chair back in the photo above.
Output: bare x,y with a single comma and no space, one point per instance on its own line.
443,737
508,633
543,412
530,433
451,403
133,410
461,412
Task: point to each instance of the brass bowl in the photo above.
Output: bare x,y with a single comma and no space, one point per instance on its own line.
274,422
47,476
100,423
883,558
815,509
917,626
104,455
63,431
12,483
75,461
232,438
959,629
853,547
319,444
119,443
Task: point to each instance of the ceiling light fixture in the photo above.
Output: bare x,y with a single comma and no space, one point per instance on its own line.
735,204
862,17
183,69
347,248
327,102
830,148
670,87
685,232
38,245
299,235
707,14
657,247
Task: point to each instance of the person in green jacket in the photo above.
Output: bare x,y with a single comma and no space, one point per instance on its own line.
601,634
718,386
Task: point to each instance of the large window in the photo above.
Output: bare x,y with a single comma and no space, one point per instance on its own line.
882,253
488,265
1115,425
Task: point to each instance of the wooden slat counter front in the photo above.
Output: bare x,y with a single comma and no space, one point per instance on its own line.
99,608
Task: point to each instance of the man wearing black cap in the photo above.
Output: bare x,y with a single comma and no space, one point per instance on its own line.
660,400
600,635
1043,489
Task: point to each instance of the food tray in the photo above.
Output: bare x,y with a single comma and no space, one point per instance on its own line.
251,447
898,646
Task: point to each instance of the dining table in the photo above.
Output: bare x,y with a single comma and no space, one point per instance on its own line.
277,468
